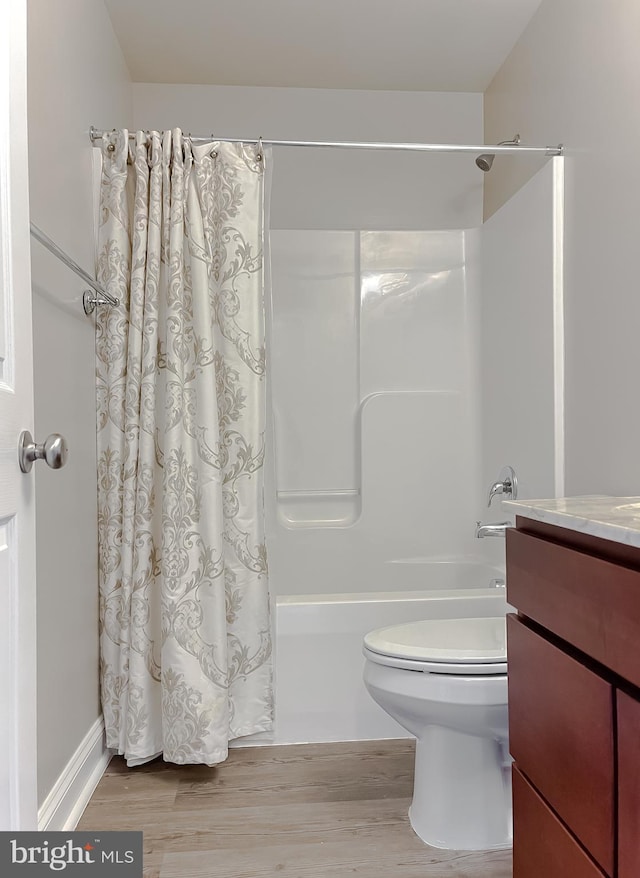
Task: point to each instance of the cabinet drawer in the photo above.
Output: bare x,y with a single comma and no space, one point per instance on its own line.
561,736
628,786
589,602
542,847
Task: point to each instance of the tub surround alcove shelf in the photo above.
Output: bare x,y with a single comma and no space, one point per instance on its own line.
573,575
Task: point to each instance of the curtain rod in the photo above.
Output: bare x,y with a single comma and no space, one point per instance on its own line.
95,134
89,300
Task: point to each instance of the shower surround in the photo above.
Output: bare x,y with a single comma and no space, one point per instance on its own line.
406,369
374,451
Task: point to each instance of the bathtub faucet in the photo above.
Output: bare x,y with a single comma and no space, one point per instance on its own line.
492,530
506,486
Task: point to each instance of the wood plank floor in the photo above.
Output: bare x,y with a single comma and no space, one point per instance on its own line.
301,811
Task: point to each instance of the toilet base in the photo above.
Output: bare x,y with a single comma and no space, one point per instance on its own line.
462,791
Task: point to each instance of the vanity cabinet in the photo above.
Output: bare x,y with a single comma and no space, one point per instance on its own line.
554,700
574,709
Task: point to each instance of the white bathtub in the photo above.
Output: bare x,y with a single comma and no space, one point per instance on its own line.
320,695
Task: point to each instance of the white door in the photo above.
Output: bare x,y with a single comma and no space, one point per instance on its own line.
18,796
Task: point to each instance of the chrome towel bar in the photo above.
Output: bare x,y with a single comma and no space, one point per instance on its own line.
91,298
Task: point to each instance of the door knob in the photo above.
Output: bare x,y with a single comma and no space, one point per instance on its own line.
53,451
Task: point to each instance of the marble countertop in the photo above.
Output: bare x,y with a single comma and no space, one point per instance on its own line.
611,518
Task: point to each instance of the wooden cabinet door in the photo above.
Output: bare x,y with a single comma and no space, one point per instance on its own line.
561,737
628,786
590,602
542,846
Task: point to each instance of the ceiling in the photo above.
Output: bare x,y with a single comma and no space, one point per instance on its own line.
408,45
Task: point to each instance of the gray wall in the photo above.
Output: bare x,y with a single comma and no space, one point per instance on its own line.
341,189
574,76
76,77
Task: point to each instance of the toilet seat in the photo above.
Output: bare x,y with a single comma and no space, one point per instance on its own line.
442,646
449,670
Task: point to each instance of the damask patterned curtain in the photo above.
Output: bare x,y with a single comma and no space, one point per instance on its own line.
184,604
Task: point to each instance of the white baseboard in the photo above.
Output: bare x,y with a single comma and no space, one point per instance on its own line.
63,807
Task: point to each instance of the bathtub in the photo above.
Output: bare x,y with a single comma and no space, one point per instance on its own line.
320,695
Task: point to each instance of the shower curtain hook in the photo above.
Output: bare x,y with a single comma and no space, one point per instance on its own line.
260,152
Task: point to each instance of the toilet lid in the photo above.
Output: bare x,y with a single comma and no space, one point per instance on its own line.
445,641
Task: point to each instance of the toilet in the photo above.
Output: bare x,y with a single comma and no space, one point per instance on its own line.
445,681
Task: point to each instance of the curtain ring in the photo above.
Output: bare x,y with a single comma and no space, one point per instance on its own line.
111,147
260,152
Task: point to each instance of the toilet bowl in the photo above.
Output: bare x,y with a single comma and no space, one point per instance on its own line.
445,681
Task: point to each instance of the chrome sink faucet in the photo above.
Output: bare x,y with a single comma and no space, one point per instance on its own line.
492,530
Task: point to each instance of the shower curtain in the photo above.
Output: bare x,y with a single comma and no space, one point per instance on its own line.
185,636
